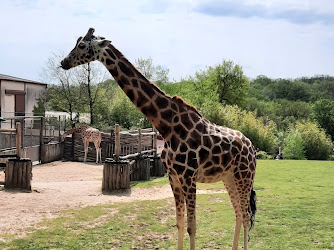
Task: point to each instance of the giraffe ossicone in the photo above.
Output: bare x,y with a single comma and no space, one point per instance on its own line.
88,134
196,150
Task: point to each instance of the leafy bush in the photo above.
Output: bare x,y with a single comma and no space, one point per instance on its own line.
263,156
294,146
323,113
260,131
318,145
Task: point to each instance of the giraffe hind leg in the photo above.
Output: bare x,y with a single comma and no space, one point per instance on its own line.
235,200
180,207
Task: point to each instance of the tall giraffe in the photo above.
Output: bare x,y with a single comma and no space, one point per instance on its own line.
195,149
88,134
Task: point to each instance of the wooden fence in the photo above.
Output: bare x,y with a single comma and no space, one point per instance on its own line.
18,171
130,142
119,170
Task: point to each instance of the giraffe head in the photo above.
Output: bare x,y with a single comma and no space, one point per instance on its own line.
87,49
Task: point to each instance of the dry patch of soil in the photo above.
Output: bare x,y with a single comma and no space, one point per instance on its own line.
64,185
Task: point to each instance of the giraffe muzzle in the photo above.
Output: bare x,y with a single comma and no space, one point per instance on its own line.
65,64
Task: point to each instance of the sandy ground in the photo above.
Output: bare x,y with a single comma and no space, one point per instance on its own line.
64,185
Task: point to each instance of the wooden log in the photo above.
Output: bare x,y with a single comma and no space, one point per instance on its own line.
18,174
19,168
135,172
104,179
24,173
9,174
117,175
15,174
125,181
28,175
145,169
158,169
111,183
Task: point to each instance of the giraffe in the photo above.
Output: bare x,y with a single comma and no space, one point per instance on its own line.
195,149
88,134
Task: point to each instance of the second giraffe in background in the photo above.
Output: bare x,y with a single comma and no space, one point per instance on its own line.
88,134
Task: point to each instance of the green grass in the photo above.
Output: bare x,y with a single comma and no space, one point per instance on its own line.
295,211
154,182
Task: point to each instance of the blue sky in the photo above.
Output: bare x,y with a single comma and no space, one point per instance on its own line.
276,38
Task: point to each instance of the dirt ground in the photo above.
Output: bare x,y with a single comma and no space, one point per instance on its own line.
64,185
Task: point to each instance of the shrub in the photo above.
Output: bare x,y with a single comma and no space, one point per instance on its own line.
294,146
263,156
261,132
323,113
318,145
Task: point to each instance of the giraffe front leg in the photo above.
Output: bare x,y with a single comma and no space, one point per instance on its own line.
179,205
85,149
97,154
191,213
100,155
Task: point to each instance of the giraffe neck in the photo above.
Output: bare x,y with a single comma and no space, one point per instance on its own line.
158,107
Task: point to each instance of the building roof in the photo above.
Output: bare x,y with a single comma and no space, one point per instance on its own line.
16,79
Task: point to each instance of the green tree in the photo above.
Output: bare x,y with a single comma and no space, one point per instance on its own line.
125,113
294,146
323,88
257,87
227,81
323,113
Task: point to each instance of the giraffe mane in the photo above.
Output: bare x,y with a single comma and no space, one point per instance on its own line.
179,100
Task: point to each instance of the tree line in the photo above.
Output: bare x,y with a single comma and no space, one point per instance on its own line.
296,115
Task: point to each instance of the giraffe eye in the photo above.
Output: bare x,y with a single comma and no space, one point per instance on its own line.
81,46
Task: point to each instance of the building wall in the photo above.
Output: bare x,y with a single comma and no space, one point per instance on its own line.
8,101
33,92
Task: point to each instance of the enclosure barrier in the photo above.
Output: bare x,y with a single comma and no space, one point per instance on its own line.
18,137
18,174
148,162
116,175
119,170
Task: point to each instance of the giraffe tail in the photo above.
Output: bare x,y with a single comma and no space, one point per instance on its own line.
252,208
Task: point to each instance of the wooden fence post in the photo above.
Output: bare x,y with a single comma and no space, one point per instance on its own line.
59,128
22,131
155,138
72,145
41,137
18,139
139,141
116,175
117,142
18,174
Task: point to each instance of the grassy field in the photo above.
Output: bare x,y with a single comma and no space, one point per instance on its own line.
295,211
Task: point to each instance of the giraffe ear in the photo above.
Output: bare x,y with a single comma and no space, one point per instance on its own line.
104,43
